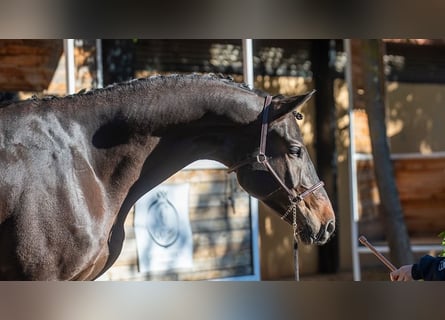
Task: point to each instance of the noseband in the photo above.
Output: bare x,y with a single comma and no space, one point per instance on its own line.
263,159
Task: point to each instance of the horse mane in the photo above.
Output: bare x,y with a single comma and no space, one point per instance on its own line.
135,84
132,85
159,79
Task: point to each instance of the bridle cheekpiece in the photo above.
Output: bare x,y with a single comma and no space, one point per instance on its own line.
263,159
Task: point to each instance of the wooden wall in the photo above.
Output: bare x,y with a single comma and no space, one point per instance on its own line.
221,231
415,115
421,185
28,65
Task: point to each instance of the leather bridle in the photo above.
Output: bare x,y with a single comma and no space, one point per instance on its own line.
263,159
295,198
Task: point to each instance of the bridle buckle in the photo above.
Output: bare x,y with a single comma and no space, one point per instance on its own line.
261,158
296,199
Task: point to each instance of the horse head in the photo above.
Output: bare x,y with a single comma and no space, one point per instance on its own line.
280,173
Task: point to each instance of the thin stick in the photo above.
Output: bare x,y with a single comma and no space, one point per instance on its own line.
380,256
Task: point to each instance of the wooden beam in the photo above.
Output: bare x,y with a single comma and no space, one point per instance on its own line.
325,143
28,65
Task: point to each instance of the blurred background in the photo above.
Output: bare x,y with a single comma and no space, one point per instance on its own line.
235,237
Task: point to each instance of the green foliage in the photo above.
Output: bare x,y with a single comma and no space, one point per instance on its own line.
442,236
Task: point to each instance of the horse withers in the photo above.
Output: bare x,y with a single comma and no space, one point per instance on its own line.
72,167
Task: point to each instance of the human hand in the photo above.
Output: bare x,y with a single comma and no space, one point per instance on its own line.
402,274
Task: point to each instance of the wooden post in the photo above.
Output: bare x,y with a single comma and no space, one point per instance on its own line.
374,96
68,47
325,143
368,89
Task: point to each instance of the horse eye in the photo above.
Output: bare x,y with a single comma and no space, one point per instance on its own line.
297,115
296,150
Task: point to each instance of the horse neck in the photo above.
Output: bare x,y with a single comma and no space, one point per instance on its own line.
196,122
157,105
169,104
168,124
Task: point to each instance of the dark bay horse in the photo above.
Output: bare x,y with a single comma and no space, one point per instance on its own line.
72,167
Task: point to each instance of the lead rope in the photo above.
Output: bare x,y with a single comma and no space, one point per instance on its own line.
293,208
294,225
296,266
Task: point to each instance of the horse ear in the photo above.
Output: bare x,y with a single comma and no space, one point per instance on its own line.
283,105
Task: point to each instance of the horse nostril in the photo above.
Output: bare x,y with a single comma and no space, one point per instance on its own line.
330,226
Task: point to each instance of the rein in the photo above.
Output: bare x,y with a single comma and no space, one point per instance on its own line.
263,159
